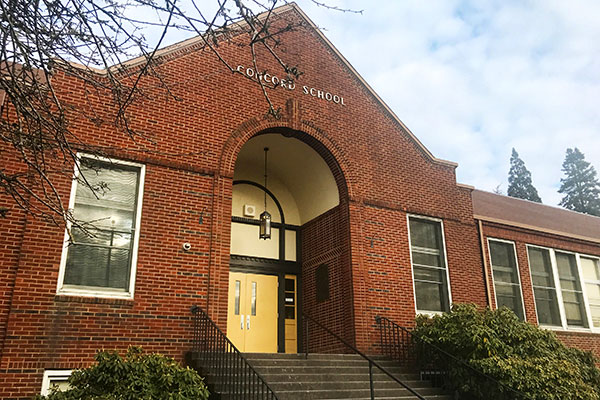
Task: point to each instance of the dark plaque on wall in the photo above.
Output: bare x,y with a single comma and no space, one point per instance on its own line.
322,281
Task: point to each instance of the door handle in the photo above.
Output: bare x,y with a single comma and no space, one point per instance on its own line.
242,322
248,321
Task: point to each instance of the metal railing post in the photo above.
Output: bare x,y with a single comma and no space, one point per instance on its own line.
305,338
402,343
371,380
223,361
372,363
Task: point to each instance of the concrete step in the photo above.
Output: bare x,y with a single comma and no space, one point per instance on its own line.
337,393
329,370
328,376
318,378
339,384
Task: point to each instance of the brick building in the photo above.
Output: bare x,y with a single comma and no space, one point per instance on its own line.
366,222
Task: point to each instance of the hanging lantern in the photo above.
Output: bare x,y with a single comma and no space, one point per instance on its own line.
265,217
265,225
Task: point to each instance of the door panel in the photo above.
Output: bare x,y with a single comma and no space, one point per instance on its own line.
235,310
291,315
252,312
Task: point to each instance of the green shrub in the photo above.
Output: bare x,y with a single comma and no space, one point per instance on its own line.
137,376
518,354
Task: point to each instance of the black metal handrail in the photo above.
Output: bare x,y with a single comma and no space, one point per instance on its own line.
434,363
229,370
372,363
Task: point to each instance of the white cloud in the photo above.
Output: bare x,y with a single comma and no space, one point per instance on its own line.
474,79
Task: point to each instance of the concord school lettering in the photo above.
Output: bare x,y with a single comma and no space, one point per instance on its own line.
291,85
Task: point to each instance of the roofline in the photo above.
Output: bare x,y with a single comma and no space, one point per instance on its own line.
538,204
535,228
465,186
282,9
370,89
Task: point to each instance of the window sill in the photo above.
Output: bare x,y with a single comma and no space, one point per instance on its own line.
79,298
568,330
429,313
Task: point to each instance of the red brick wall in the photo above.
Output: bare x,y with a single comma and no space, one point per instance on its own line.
325,241
522,237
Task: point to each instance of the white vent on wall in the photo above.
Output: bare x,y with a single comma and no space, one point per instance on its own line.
249,210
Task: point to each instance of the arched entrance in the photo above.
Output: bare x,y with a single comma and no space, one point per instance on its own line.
268,278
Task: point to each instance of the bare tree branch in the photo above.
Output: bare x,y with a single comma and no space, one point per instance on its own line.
91,40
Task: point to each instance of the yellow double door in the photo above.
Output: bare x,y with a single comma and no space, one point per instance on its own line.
252,312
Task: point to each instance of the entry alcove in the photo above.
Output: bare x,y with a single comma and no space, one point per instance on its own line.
305,195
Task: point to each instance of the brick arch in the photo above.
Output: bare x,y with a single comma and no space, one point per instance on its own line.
304,131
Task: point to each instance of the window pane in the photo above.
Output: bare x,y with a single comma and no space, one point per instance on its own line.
595,315
118,269
593,293
109,199
546,305
574,310
567,271
506,278
102,238
590,269
290,285
509,296
430,296
253,300
85,265
290,312
571,289
502,254
60,384
541,268
425,234
431,286
91,236
591,273
503,262
429,274
426,259
237,298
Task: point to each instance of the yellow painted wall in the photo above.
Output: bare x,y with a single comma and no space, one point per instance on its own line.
245,241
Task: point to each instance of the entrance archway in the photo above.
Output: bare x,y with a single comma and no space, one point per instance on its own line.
309,232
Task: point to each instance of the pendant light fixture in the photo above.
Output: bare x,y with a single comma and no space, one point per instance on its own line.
265,217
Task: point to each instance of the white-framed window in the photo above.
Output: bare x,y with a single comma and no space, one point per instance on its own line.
429,264
99,258
544,287
55,378
505,275
566,288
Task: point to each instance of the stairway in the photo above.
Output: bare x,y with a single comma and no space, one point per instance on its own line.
329,376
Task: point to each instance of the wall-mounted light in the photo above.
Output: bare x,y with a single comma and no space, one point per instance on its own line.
265,217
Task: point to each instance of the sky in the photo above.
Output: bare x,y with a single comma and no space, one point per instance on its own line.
473,79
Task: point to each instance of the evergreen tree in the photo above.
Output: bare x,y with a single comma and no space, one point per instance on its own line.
519,180
580,184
